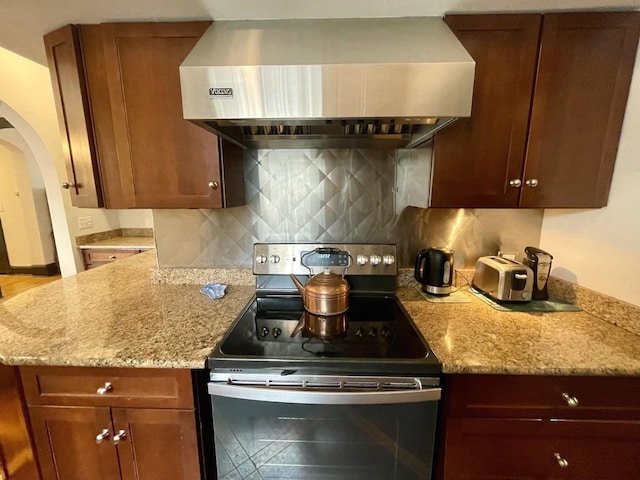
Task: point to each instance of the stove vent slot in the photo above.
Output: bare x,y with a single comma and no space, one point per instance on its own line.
329,383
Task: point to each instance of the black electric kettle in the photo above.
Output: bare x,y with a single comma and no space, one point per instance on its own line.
434,270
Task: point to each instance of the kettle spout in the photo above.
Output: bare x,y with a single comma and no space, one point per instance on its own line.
297,283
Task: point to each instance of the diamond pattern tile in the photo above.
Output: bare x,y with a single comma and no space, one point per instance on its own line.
337,196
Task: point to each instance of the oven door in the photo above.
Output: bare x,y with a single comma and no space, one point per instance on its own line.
320,427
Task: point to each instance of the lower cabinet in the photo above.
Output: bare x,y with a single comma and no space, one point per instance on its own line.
526,427
111,424
479,448
95,257
17,459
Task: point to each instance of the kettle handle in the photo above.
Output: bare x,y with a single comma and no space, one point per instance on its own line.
418,271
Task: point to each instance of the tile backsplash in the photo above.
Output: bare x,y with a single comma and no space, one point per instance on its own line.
337,196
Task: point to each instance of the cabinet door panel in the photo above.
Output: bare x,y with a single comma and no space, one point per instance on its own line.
159,444
531,449
64,57
475,158
584,71
163,160
65,438
17,460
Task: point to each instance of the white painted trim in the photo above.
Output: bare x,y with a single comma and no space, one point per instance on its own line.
37,149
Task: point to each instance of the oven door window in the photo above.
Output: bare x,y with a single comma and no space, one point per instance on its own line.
270,440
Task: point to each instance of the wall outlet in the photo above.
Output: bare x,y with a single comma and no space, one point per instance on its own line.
85,222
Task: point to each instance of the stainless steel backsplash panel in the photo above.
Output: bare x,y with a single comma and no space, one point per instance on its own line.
337,196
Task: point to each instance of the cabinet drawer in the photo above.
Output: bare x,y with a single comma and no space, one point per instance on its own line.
108,255
533,396
478,448
152,388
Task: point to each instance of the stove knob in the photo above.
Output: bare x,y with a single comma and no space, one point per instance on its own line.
388,260
362,259
274,258
373,332
375,260
276,332
359,332
385,331
264,332
261,259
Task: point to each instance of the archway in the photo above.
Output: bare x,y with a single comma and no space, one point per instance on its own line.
38,152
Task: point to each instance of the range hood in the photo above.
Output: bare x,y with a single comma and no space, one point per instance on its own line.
330,83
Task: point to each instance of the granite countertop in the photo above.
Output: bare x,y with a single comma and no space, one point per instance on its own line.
142,243
116,316
475,338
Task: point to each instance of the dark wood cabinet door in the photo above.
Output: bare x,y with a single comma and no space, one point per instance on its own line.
585,66
64,56
477,157
65,439
483,448
17,459
163,161
159,444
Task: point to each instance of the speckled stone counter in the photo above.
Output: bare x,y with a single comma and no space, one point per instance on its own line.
475,338
114,316
117,316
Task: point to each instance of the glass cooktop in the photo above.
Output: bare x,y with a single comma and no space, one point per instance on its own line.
380,338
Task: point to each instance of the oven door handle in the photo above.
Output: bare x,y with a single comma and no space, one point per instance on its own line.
281,395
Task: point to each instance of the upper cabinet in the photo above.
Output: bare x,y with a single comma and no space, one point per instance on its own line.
74,116
549,99
148,155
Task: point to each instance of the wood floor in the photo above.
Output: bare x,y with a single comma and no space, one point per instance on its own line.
11,285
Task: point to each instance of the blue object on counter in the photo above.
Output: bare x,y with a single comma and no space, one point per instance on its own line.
214,290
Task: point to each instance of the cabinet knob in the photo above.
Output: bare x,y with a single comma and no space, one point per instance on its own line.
516,182
107,387
532,182
570,399
112,257
561,461
119,436
67,185
213,185
102,435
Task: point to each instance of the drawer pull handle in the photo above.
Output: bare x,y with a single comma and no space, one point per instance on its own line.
570,399
102,435
112,257
561,461
119,436
107,387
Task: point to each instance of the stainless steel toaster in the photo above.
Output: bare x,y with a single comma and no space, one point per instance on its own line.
503,279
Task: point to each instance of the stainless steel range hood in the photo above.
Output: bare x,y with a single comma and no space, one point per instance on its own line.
331,83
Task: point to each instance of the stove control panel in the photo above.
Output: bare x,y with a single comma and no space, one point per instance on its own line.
340,258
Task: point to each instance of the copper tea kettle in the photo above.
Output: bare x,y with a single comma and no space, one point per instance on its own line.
324,294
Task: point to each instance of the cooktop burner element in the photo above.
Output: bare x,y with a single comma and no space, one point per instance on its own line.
379,338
